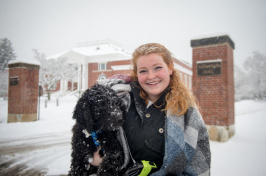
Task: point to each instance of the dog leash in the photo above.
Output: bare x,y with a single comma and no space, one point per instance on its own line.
93,134
95,138
142,168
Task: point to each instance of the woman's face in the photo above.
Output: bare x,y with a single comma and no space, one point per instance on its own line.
153,75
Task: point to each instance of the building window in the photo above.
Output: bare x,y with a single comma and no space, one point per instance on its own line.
53,87
101,78
101,66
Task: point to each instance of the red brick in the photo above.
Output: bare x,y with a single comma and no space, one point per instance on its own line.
23,97
215,93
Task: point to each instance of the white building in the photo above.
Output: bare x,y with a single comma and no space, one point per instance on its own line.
98,60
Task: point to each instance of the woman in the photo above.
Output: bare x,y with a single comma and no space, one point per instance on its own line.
163,123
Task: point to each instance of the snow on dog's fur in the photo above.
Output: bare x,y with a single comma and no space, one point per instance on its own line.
102,111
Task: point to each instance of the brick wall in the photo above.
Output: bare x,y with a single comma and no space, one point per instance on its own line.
215,93
23,96
94,73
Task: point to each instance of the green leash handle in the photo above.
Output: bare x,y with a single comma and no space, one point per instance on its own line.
147,167
142,168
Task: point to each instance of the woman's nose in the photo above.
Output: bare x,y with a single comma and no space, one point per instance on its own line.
151,75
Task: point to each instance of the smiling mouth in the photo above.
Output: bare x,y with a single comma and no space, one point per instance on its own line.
154,83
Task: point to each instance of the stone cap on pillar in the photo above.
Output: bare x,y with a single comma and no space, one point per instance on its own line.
212,40
23,63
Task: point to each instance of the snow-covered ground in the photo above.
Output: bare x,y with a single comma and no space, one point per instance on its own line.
44,146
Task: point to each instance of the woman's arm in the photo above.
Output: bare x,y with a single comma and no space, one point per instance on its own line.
196,131
187,149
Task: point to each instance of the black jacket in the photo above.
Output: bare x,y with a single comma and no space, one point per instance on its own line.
145,128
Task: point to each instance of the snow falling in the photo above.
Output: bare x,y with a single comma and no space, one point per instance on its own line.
44,146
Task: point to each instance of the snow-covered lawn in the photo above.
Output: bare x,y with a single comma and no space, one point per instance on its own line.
244,154
44,145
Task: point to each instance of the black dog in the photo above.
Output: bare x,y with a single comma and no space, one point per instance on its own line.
99,110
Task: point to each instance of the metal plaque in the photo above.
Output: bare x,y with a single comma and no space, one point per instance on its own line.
208,69
13,81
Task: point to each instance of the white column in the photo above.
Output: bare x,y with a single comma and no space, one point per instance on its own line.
64,85
85,76
61,85
79,77
72,85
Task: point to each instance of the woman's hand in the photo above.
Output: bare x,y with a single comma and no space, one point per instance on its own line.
97,160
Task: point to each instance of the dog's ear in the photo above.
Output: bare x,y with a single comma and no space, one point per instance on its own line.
125,100
82,111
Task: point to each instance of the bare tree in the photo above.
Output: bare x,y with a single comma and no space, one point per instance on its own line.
256,76
53,70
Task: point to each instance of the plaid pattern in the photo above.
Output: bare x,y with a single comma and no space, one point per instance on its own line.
187,149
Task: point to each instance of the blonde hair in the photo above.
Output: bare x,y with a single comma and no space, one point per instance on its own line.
179,98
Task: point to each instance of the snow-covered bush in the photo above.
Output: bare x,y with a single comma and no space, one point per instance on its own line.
251,83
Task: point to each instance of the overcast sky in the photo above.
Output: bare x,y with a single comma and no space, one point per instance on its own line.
54,26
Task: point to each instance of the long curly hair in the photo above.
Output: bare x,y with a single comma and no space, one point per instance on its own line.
179,98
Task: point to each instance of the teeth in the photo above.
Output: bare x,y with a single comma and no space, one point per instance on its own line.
152,83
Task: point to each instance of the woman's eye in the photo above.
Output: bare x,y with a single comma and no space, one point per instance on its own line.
158,68
142,71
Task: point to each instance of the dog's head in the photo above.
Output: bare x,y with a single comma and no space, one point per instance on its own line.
100,108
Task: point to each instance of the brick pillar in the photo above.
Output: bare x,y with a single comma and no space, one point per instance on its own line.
23,91
213,84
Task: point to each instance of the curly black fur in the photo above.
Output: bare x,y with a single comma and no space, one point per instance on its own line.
99,109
